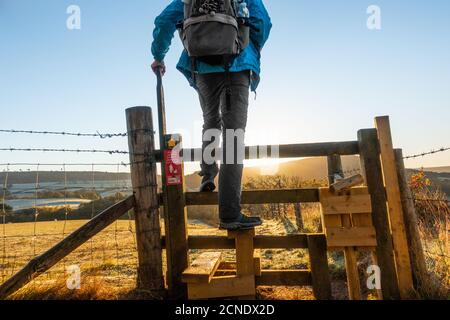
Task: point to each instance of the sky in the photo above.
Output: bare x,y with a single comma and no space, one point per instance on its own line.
325,75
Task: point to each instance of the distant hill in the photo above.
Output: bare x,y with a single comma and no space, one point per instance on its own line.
438,169
58,176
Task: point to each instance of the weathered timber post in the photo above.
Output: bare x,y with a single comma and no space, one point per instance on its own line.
371,168
141,144
418,265
175,215
397,223
317,248
350,253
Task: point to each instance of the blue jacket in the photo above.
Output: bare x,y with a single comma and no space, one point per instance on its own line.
249,59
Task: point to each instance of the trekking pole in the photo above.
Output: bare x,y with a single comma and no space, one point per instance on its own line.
161,110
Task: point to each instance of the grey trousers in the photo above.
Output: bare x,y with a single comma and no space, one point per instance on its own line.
216,115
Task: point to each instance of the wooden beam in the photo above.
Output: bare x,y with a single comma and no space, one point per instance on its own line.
257,197
322,149
48,259
223,287
317,245
371,168
295,241
402,258
419,267
141,142
284,278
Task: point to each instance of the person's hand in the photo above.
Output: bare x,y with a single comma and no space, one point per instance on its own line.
159,66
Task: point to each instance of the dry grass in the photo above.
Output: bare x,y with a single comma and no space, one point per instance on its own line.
108,262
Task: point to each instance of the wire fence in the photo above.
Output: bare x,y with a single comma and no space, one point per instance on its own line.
36,214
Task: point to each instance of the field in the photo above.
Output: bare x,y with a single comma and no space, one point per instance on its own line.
108,262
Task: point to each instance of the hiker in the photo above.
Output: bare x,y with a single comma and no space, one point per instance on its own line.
223,40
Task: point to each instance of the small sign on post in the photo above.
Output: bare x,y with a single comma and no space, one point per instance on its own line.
173,169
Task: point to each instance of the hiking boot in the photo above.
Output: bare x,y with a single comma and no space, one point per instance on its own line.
207,185
243,223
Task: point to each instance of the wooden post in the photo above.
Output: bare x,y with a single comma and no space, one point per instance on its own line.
371,167
317,247
350,253
141,144
418,265
175,222
245,264
391,182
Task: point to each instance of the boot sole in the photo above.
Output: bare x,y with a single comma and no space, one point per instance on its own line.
232,226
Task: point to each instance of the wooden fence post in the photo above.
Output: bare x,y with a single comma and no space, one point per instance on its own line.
317,248
141,144
371,168
397,223
418,265
350,253
175,221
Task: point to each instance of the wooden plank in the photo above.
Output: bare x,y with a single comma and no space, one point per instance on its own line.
419,269
141,143
403,261
223,287
346,204
347,183
371,168
175,223
351,237
48,259
257,197
295,241
284,278
202,268
317,245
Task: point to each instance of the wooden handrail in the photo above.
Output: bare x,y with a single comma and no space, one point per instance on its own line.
286,151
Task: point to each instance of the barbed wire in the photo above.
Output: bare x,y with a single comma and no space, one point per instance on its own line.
20,164
414,156
63,133
66,150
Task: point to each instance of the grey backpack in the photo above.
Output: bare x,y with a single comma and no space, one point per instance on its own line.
212,31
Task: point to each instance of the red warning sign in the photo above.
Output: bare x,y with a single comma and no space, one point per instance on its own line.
173,169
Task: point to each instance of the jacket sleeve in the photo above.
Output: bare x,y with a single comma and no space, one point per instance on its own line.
165,27
260,21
